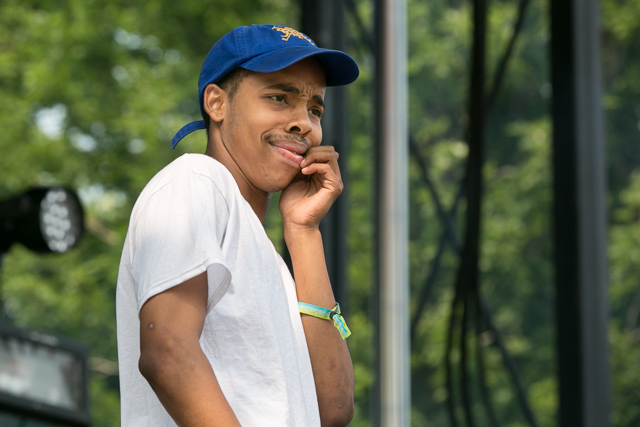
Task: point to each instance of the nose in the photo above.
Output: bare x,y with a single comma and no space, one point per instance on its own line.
299,121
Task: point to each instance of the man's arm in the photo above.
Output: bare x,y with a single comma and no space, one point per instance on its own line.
330,358
172,361
303,204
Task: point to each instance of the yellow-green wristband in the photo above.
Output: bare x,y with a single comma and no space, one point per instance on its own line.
323,313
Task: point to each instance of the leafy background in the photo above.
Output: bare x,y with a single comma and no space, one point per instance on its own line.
91,91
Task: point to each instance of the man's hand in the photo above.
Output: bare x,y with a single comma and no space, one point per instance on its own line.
308,198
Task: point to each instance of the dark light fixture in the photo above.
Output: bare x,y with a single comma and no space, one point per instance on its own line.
44,219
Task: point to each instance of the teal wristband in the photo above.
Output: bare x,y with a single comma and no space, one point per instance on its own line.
323,313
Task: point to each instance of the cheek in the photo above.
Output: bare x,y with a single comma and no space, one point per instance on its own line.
318,135
262,122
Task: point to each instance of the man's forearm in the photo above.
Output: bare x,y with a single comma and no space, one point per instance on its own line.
330,358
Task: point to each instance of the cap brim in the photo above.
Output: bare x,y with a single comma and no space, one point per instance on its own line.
340,69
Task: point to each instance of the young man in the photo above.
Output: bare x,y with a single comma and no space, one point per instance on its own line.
210,330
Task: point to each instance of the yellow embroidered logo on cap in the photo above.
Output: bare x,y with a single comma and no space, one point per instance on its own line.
288,32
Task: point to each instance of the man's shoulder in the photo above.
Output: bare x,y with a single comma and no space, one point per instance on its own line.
193,163
190,174
188,167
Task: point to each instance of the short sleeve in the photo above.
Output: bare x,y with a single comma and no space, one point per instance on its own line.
175,234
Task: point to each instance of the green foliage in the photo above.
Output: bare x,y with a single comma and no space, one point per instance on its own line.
93,90
625,304
620,47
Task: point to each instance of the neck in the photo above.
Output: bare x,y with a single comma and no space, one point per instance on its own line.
258,199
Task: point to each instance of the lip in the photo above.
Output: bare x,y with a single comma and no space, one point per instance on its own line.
291,152
291,157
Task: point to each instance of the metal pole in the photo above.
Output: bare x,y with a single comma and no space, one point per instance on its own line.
324,22
580,215
395,390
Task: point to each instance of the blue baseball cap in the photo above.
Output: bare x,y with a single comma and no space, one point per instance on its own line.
266,49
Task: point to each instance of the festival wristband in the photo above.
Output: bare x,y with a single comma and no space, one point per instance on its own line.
323,313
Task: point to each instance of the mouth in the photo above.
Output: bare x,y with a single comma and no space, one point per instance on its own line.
290,155
292,151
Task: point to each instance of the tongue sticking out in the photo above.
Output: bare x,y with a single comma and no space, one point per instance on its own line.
289,155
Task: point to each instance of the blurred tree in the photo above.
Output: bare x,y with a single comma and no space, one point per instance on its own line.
93,90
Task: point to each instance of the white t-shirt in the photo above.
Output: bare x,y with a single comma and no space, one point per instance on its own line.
190,218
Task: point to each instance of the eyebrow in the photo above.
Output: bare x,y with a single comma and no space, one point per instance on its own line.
294,90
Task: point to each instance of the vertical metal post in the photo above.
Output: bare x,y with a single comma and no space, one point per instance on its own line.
580,215
395,389
324,22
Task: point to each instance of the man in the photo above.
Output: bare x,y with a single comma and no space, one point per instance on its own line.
210,330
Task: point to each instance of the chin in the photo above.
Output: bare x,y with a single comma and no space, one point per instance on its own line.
283,182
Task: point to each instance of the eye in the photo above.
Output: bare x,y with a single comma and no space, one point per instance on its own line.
277,98
317,112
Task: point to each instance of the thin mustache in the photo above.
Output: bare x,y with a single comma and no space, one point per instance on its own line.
295,138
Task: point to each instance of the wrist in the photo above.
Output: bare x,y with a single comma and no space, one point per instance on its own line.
294,232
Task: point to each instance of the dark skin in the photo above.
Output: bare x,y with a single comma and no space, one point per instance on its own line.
268,136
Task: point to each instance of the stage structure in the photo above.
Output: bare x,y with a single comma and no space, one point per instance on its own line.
43,379
393,213
324,22
580,215
579,202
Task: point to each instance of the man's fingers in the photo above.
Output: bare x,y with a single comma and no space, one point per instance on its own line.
320,154
327,175
328,169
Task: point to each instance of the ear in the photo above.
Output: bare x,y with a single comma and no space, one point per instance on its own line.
214,102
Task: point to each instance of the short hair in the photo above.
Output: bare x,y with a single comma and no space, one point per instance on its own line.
230,84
